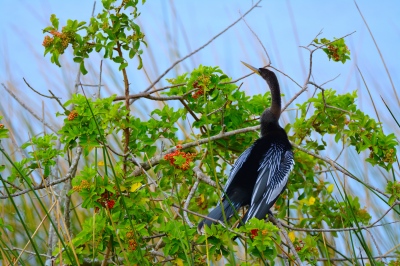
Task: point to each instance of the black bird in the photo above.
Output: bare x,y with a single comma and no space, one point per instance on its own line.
261,172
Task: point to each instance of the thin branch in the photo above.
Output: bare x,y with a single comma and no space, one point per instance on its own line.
339,229
380,54
69,175
357,258
289,242
29,109
187,202
200,48
201,176
58,100
369,93
144,94
259,41
50,97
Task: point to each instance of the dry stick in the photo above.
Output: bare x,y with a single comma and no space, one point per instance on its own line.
380,54
50,97
34,233
259,41
58,100
357,258
340,229
29,109
101,71
201,176
28,252
369,93
187,201
69,175
144,94
127,106
198,49
289,242
373,240
158,98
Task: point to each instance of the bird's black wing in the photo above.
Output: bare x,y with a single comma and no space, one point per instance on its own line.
238,164
272,178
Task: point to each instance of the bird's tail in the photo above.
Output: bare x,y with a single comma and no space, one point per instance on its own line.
229,208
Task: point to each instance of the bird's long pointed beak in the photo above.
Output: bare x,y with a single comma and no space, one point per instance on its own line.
252,68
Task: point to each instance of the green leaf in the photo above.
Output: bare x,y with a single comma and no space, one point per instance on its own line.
123,66
54,21
140,62
82,68
78,59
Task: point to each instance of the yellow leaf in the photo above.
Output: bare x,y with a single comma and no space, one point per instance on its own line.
330,188
201,198
311,201
179,262
292,236
100,163
135,186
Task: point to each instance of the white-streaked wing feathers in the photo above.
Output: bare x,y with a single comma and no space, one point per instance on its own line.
237,165
273,174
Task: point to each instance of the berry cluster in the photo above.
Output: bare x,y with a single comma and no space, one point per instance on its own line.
204,83
333,51
83,185
72,115
187,155
62,38
132,244
131,241
106,200
300,246
389,156
199,92
254,232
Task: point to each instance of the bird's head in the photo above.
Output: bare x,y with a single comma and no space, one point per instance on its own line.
263,72
269,118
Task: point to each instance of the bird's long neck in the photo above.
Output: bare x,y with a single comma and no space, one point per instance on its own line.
270,117
273,84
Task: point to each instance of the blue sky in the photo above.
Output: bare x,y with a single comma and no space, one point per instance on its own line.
281,25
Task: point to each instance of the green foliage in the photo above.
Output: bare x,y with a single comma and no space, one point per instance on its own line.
393,189
91,121
265,237
113,29
339,115
3,131
336,50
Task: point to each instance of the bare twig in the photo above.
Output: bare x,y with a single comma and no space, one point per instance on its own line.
187,201
284,233
380,54
374,224
201,176
259,41
50,97
58,100
29,109
69,175
200,48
